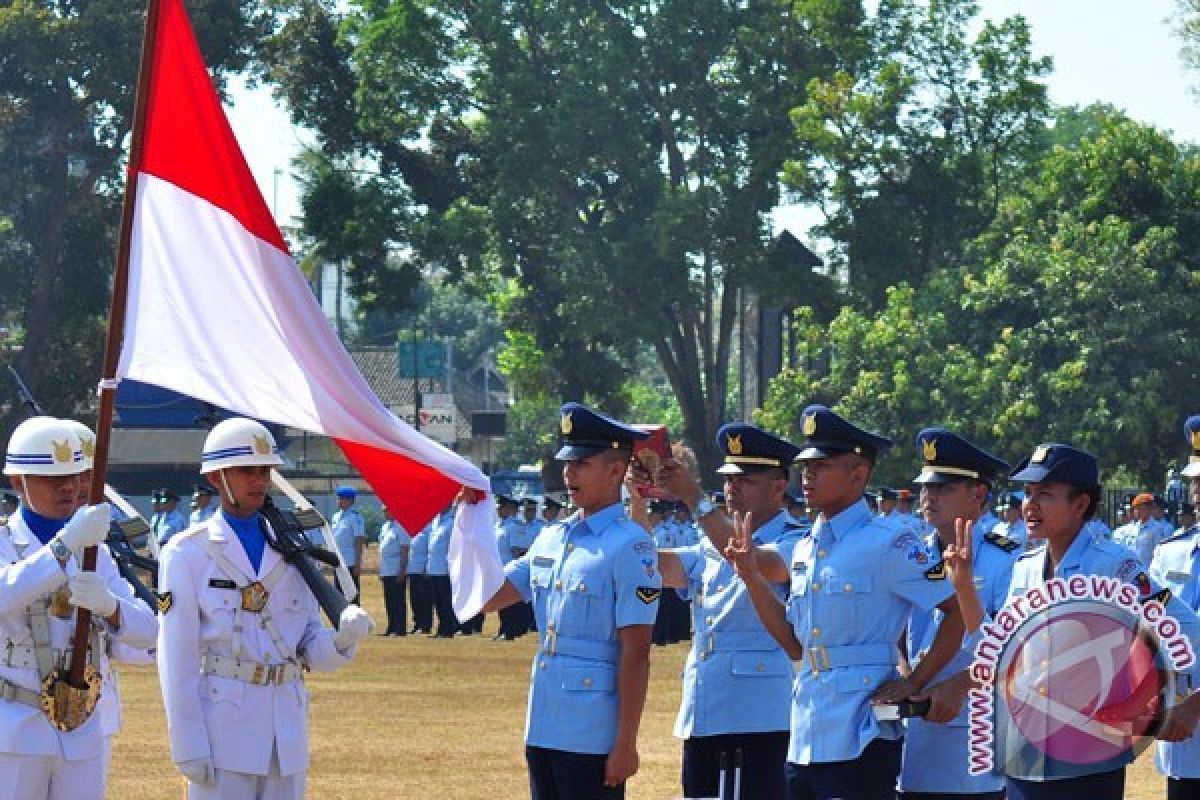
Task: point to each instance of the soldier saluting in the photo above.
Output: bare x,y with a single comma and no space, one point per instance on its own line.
239,627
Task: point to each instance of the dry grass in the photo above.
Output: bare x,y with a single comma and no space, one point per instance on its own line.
427,717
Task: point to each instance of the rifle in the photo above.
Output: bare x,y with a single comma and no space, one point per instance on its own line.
129,560
285,534
24,393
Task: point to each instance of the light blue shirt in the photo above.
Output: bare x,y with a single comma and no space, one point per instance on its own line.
936,756
666,536
1139,537
519,535
168,523
587,578
348,526
1089,555
737,678
439,545
418,552
855,581
393,541
505,529
1176,566
202,514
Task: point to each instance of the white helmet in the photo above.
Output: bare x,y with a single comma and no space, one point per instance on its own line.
44,446
87,441
239,442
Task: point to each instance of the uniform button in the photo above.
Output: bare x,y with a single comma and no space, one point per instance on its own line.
587,681
816,587
816,632
1045,663
760,668
582,588
848,588
820,554
558,584
542,664
708,621
570,546
866,681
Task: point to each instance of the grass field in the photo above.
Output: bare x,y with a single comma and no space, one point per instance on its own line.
427,717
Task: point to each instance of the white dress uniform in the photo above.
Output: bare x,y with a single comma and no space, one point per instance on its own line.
232,678
33,753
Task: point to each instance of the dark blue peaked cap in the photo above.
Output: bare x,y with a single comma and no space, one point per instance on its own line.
1191,433
749,449
827,434
948,457
585,433
1058,463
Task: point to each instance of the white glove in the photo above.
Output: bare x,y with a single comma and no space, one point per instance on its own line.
354,625
89,590
198,770
87,528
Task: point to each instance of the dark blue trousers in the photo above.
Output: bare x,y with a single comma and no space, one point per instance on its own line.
949,796
1101,786
763,757
1183,788
871,776
559,775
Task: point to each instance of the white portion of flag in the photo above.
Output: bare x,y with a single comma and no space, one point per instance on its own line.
217,314
475,569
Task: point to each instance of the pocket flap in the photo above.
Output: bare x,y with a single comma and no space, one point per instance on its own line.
760,664
589,679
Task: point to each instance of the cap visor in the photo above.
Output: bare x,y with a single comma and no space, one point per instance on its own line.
1191,470
1032,473
574,452
821,450
731,469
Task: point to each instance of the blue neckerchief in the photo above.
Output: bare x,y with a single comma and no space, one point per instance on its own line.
249,533
43,528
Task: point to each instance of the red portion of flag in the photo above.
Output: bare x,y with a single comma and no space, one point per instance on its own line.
413,492
188,141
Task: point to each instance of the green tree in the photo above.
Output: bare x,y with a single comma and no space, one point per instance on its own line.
1077,321
908,151
66,99
617,161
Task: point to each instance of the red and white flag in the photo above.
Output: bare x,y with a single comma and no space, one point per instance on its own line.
219,311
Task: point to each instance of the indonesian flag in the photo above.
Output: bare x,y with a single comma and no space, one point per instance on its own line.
218,310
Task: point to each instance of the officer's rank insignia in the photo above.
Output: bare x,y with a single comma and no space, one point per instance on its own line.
1161,597
165,601
221,583
566,425
1040,455
810,424
937,572
254,597
62,451
929,449
1000,540
734,443
648,594
261,445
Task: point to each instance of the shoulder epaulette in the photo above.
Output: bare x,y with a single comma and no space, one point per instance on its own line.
1034,552
1000,540
1187,533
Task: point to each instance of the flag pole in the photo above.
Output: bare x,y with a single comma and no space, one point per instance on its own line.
116,328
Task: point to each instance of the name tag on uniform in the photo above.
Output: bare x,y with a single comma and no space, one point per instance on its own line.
222,583
1179,576
543,561
799,568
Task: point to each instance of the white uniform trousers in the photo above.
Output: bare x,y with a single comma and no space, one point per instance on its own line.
51,778
242,786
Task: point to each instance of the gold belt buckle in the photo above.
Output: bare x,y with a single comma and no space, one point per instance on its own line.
254,597
260,672
818,659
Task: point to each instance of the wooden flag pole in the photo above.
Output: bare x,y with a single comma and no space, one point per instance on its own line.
116,329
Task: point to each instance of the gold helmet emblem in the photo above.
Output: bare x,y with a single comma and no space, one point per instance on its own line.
262,446
62,451
929,449
566,425
89,447
1196,440
734,444
1040,455
810,424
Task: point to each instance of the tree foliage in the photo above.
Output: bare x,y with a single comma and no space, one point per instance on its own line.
67,75
1076,320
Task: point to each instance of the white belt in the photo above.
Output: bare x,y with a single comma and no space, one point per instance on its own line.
254,672
19,694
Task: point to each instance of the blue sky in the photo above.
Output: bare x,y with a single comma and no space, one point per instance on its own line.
1121,52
